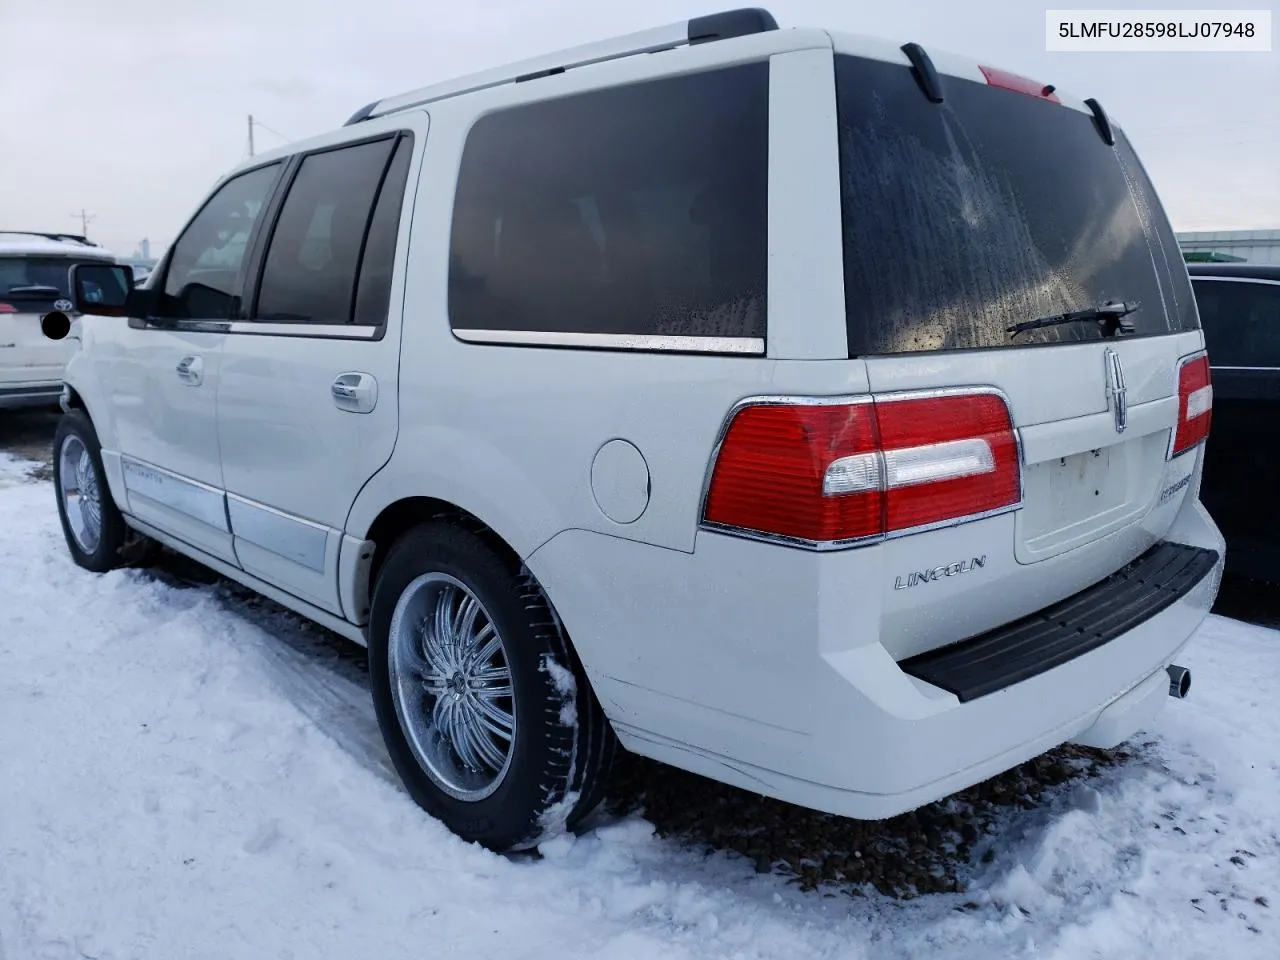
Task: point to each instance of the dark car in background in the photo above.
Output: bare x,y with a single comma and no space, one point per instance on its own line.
1240,313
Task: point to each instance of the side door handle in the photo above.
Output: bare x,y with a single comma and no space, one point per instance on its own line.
191,370
355,392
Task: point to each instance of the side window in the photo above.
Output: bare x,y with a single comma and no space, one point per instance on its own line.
632,211
309,275
1241,322
373,291
203,278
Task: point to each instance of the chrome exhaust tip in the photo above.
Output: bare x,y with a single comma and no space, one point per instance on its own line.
1179,681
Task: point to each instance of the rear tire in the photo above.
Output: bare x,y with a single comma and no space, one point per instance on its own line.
92,524
485,710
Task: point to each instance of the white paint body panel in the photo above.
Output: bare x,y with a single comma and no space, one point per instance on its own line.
27,356
165,426
763,667
766,666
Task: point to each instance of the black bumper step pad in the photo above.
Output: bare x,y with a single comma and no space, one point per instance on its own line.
1070,628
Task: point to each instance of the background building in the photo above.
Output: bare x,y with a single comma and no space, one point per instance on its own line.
1255,246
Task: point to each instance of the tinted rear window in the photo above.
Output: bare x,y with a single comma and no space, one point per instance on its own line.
1241,322
964,218
35,280
630,211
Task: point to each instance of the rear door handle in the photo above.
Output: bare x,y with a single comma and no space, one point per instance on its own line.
191,370
355,392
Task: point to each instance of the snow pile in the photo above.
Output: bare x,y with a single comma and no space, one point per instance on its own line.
178,781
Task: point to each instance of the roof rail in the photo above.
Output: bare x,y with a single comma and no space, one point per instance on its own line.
52,236
717,26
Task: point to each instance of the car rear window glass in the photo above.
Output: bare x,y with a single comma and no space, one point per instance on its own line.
964,218
1241,322
373,292
30,281
311,264
632,211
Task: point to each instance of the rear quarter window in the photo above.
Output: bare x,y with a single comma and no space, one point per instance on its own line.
964,218
630,212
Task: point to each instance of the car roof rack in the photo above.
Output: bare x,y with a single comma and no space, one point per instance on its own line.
51,236
717,26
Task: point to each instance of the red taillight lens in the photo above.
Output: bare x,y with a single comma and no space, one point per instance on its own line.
8,308
958,455
852,471
772,464
1195,403
1018,84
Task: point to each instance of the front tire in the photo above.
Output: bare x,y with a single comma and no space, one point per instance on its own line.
92,524
485,710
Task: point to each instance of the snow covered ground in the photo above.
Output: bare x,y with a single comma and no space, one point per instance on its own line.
185,774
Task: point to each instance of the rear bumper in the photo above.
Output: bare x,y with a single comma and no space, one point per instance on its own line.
744,662
37,393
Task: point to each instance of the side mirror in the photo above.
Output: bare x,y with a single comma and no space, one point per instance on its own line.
101,289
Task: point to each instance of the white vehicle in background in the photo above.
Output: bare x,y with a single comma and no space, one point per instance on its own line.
34,281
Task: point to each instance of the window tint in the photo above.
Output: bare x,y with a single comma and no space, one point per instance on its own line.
310,271
965,218
1241,322
638,210
33,284
373,294
203,278
1171,268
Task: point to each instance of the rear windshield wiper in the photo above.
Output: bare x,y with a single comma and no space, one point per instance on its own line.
1109,316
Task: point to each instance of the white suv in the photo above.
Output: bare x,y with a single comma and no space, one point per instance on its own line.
816,414
34,282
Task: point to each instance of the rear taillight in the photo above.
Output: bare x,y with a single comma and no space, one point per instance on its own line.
824,472
1195,404
8,308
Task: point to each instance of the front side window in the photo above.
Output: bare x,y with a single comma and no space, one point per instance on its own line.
204,280
631,211
1241,321
313,260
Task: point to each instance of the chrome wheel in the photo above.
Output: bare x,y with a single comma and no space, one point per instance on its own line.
81,499
451,683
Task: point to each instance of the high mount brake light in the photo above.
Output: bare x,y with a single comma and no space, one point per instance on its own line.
842,472
1019,84
1195,404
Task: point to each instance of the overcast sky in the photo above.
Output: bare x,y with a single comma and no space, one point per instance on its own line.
132,108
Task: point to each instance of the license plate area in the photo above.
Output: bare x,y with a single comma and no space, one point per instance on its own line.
1074,499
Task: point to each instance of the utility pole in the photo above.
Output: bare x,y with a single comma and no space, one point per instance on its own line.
251,134
84,219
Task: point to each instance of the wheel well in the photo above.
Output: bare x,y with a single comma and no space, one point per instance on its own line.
398,518
73,399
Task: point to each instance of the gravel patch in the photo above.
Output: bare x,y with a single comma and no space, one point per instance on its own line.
28,433
930,850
